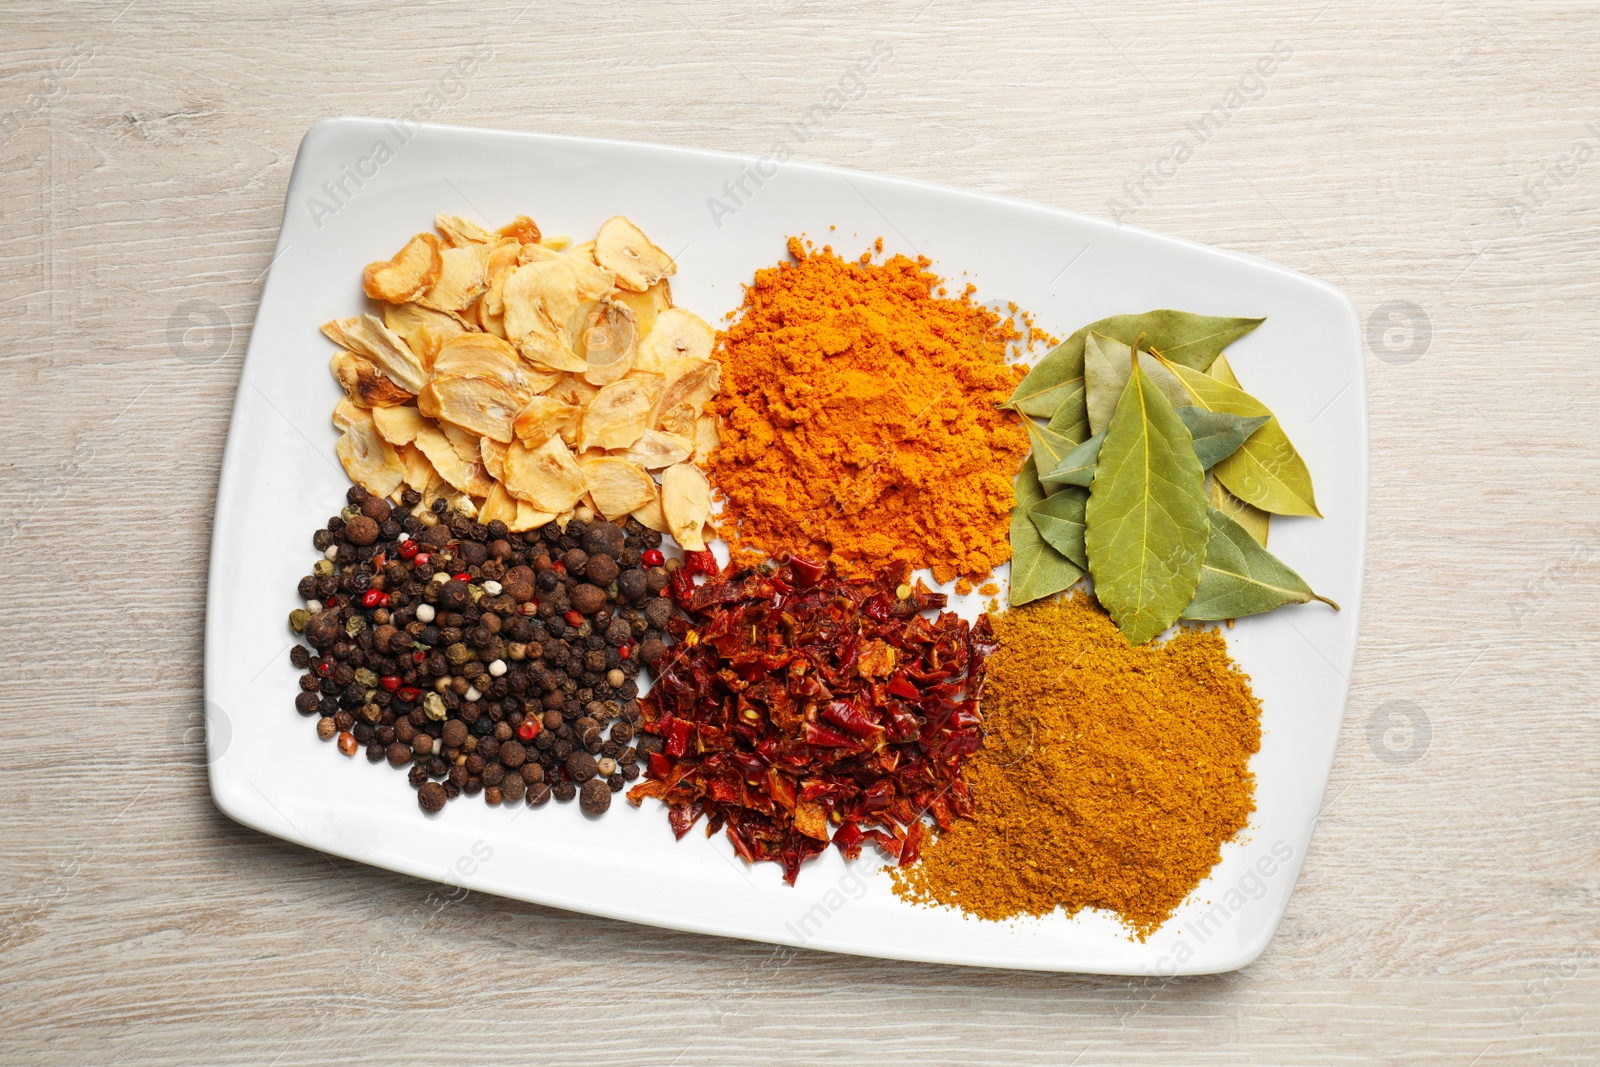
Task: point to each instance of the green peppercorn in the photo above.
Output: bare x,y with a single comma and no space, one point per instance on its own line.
433,707
355,624
298,619
323,568
368,678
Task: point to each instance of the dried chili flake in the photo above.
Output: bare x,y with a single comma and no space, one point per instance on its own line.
804,707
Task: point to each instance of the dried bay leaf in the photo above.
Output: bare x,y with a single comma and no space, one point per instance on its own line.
1190,339
1266,470
1252,518
1240,578
1146,515
1106,365
1076,467
1071,418
1059,520
1049,448
1222,371
1037,569
1180,336
1217,434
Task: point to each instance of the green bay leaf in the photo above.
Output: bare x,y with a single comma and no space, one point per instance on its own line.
1076,467
1146,515
1222,371
1239,577
1049,447
1071,418
1106,366
1193,340
1217,434
1037,569
1255,521
1181,336
1266,470
1059,520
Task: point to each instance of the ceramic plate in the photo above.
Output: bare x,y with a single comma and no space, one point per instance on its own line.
361,187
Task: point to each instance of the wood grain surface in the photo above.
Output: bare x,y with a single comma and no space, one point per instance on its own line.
1437,159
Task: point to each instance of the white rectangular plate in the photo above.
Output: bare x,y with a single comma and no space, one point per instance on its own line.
361,187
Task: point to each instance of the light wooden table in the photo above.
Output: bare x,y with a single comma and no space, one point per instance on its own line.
1440,161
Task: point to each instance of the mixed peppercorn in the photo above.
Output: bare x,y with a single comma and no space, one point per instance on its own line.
488,661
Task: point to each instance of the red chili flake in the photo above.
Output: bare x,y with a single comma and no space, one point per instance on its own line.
408,549
391,682
408,693
371,598
625,651
325,666
804,707
419,656
422,559
383,600
652,557
462,577
573,618
528,730
559,567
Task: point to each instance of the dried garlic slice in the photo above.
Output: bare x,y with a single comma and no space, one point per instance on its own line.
408,275
616,417
368,459
592,280
651,515
539,297
464,441
622,248
676,335
459,231
646,305
363,384
461,278
399,425
482,355
522,228
481,405
545,476
493,455
424,330
419,472
686,503
689,381
606,339
366,336
617,486
542,418
706,439
469,478
655,450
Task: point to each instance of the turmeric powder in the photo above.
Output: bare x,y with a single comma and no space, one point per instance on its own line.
860,418
1109,777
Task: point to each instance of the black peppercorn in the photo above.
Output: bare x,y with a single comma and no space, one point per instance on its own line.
596,797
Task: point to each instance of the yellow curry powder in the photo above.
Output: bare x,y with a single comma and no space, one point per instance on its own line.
860,419
1109,777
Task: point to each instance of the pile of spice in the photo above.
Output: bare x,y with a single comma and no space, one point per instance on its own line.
861,419
800,704
488,661
1110,776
